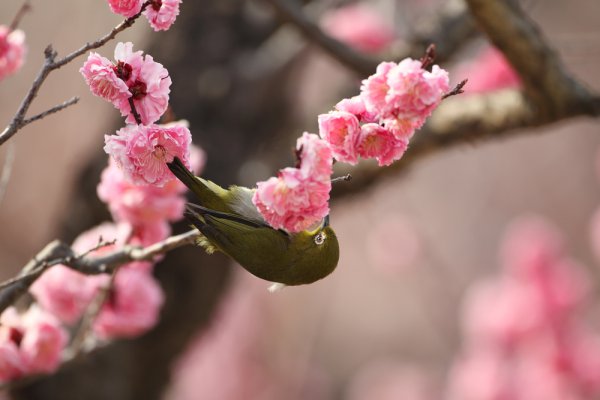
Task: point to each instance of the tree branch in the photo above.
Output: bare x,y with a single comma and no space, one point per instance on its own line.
57,252
51,64
448,31
547,83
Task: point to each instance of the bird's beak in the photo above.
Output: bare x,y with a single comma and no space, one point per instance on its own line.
326,222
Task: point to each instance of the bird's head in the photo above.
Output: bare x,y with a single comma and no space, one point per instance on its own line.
320,251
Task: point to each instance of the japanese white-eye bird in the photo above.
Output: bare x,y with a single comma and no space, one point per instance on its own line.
230,223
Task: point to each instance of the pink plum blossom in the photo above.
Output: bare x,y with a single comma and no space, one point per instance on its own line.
356,105
380,143
138,204
143,151
132,78
65,292
375,88
291,201
489,71
100,75
341,130
161,14
126,8
315,156
12,50
133,305
148,81
29,343
358,26
404,91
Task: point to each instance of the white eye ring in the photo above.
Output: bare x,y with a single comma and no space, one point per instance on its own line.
320,238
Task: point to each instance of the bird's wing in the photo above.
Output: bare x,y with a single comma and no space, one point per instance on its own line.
240,201
235,235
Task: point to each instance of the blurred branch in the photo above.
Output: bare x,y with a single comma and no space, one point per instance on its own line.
51,63
25,7
290,11
449,30
57,252
547,83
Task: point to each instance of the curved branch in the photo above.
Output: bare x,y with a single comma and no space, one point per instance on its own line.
57,252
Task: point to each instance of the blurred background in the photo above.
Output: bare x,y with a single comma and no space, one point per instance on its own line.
389,323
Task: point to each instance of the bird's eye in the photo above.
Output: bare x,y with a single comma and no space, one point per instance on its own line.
320,238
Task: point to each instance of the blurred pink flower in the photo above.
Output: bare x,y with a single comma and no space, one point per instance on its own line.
359,26
390,380
12,50
126,8
132,307
99,73
29,343
138,205
43,341
524,339
65,292
488,71
232,360
341,130
149,84
315,157
292,201
143,151
377,142
161,14
393,243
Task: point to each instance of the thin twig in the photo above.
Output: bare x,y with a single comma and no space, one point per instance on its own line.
59,253
51,63
55,109
458,89
134,111
17,19
345,178
7,169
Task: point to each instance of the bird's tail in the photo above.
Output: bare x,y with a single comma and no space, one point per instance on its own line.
209,194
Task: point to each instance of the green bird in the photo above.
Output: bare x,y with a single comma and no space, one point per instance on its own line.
230,223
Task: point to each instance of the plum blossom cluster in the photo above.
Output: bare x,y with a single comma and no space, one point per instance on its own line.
12,50
524,335
161,14
392,104
134,82
378,123
134,300
298,197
